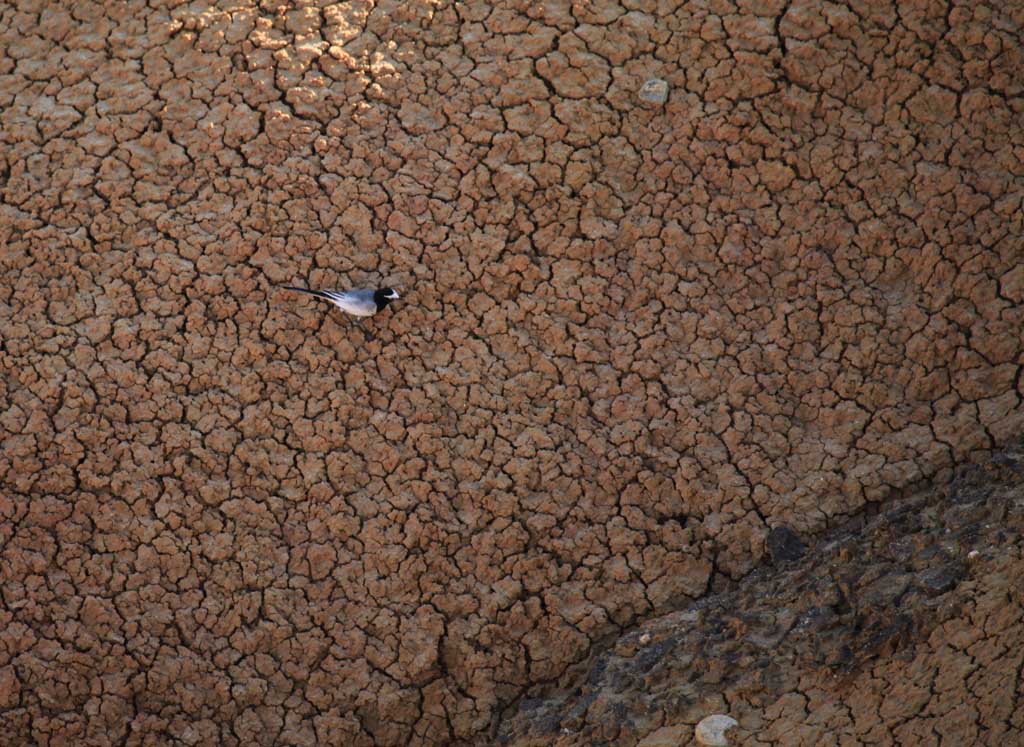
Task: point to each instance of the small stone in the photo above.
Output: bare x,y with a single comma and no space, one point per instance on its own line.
711,730
645,639
942,579
654,91
973,555
784,545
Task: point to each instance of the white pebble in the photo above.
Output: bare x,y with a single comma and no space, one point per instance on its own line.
711,730
654,91
645,639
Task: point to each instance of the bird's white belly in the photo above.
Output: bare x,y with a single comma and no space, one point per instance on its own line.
357,309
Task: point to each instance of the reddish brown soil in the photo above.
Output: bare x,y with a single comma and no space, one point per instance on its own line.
633,337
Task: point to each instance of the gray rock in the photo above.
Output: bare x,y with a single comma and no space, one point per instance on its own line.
942,579
654,91
784,546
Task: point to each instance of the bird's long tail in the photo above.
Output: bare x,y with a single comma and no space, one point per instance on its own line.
318,294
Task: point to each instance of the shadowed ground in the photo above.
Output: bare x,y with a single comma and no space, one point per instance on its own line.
902,629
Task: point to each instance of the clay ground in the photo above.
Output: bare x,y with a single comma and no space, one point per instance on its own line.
633,338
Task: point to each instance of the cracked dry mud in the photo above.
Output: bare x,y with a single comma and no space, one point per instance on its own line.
633,337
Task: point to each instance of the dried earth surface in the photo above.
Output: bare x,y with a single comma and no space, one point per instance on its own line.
906,628
674,274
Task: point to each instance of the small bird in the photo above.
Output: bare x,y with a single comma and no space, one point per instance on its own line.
360,302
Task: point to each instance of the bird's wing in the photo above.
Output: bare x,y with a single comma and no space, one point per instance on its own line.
358,302
338,296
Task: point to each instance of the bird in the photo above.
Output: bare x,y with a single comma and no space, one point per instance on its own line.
361,302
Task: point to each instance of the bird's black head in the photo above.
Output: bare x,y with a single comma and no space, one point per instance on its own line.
384,296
